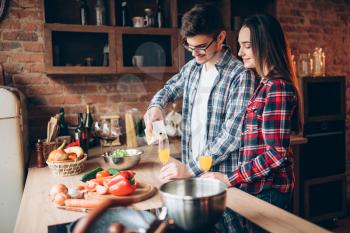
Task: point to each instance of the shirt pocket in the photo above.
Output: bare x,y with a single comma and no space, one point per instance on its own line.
254,117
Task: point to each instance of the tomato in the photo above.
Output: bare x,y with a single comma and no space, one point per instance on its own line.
102,174
122,188
73,156
98,181
106,180
76,143
91,186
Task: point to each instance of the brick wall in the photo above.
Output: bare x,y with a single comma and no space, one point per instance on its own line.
322,23
326,24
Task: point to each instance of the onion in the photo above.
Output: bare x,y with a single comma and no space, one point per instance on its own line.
60,198
59,188
58,155
75,193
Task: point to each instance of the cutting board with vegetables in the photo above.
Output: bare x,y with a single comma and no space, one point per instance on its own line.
116,185
142,192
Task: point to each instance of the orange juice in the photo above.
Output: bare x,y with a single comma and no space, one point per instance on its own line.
205,162
164,155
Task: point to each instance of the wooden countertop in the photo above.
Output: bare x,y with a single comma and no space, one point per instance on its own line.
37,212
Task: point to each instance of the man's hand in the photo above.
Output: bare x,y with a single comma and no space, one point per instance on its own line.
218,176
152,114
174,170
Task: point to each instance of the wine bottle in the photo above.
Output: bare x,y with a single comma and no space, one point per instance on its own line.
84,13
159,15
80,134
62,125
125,14
88,125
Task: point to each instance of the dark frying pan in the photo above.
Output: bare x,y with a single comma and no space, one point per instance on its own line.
100,219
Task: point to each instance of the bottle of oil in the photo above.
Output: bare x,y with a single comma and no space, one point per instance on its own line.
125,14
84,13
159,15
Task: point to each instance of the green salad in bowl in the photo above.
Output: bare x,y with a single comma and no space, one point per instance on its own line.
123,159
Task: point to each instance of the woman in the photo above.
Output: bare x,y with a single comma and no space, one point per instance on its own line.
265,160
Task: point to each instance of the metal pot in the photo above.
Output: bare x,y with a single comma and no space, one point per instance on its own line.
194,204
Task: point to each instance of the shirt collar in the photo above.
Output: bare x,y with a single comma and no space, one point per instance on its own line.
225,57
274,74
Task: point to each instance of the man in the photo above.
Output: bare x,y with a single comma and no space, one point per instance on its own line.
215,88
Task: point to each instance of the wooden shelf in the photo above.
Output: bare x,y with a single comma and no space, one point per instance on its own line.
78,70
158,46
67,47
78,28
62,30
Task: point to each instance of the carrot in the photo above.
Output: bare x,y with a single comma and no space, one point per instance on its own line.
83,203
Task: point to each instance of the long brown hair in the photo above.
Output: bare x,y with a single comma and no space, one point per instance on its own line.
271,51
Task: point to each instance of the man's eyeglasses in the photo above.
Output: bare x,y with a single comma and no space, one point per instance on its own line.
201,51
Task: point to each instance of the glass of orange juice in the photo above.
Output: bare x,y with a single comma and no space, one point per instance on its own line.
163,149
205,162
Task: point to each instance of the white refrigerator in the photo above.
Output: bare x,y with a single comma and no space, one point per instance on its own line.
13,155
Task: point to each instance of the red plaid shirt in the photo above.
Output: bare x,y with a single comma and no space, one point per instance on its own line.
265,158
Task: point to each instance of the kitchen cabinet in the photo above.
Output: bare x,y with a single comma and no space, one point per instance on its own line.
70,46
322,174
79,49
156,46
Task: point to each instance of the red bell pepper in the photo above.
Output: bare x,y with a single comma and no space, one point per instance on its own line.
122,188
76,143
127,174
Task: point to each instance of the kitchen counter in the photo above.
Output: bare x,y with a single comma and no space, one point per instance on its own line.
37,212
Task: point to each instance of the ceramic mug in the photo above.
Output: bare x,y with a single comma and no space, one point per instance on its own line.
137,60
138,21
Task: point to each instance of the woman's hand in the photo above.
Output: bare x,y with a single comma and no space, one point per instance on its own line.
174,170
218,176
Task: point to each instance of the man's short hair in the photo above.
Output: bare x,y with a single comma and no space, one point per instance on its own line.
202,19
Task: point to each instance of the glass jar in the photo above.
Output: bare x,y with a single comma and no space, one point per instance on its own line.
303,65
149,17
319,59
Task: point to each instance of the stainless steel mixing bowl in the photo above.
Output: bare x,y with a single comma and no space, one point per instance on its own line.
132,158
194,204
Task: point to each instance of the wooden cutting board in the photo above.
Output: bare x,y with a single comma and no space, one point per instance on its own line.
143,192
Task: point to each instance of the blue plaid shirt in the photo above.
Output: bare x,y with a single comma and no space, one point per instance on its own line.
232,89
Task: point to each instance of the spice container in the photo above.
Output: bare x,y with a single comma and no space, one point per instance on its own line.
40,161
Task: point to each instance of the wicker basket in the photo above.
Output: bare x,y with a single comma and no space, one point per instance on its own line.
67,168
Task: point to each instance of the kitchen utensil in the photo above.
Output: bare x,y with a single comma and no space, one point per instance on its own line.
131,140
75,209
142,192
126,162
100,219
194,204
